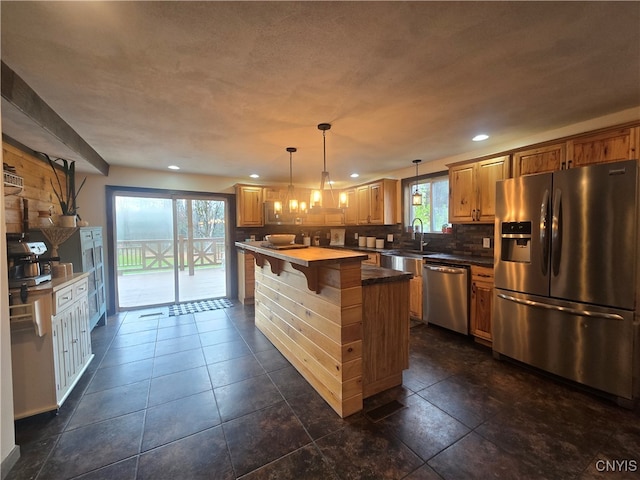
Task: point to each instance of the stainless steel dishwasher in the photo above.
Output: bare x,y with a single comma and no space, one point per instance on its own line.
446,296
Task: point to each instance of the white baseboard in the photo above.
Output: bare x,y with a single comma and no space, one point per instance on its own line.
9,461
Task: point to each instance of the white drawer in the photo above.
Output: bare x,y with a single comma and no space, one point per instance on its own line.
67,295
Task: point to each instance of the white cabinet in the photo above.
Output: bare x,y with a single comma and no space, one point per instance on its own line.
72,337
84,248
49,361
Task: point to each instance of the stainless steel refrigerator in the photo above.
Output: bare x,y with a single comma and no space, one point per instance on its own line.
567,275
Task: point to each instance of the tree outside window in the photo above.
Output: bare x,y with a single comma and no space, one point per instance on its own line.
434,211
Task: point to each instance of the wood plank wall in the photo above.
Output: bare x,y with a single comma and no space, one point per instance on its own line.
320,334
37,175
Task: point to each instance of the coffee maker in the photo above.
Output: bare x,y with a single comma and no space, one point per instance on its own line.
26,265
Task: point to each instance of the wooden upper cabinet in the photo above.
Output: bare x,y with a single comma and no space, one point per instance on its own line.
472,189
249,205
609,146
462,192
538,160
376,207
362,204
351,212
488,173
376,202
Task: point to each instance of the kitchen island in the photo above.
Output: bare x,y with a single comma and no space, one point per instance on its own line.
342,325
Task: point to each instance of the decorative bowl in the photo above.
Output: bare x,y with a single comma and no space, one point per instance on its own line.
280,238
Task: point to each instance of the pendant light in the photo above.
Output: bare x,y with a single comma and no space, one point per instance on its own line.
316,195
416,198
292,203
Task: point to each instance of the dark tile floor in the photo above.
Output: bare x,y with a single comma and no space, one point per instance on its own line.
208,396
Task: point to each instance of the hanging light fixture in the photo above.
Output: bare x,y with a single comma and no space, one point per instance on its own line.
416,198
316,195
292,203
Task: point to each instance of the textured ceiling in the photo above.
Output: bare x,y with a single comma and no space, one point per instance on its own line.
222,88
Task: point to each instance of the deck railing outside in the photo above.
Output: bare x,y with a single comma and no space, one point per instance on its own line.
135,256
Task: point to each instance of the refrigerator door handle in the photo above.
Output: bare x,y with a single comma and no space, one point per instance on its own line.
556,231
544,232
572,311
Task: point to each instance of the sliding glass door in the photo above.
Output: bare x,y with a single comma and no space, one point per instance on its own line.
169,249
201,242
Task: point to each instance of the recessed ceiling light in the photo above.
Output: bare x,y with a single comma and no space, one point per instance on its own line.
354,175
173,167
480,137
254,175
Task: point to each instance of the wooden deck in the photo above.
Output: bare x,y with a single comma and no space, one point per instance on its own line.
156,288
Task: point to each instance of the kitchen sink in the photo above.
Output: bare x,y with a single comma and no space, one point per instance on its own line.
404,261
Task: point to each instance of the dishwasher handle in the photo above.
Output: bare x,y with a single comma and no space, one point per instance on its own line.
445,269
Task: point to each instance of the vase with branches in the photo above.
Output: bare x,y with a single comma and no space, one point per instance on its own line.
65,193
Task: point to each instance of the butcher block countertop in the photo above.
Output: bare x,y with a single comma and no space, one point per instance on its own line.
314,256
307,256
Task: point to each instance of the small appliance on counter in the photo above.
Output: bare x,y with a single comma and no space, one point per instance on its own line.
26,265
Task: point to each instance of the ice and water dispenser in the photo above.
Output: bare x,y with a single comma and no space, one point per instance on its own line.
516,242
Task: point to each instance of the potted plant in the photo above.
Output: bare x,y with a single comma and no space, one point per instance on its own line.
67,193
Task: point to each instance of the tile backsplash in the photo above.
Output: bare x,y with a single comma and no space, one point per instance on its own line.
465,239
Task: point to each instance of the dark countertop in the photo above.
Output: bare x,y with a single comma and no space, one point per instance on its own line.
459,259
372,275
431,256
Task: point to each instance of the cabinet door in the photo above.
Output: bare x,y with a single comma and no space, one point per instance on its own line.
611,146
373,258
59,360
376,203
351,212
249,203
415,298
538,160
488,172
481,302
81,320
362,202
63,351
462,193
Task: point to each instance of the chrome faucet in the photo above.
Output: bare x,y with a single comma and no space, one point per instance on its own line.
421,231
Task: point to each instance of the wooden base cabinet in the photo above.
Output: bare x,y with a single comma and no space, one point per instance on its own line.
481,303
415,298
246,277
49,360
385,335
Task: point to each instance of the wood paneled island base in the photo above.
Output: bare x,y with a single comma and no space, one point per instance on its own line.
309,304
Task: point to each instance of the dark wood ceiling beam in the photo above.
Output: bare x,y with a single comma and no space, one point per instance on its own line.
18,93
